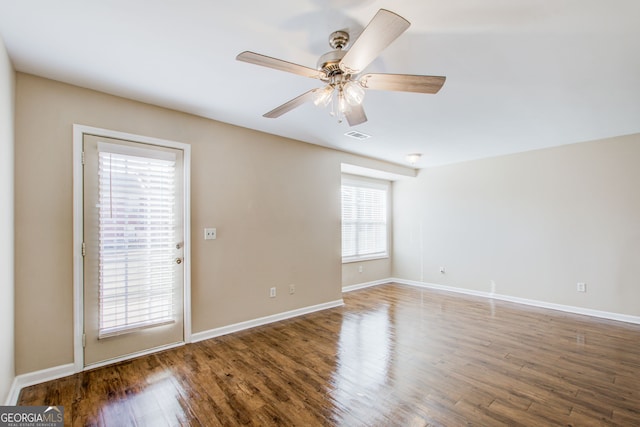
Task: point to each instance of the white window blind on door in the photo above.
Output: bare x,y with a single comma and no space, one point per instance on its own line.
137,240
364,220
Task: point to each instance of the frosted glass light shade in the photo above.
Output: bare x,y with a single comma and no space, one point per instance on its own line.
353,93
323,97
343,104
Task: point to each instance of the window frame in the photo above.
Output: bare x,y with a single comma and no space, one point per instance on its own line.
364,182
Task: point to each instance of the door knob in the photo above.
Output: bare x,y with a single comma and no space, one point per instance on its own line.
178,260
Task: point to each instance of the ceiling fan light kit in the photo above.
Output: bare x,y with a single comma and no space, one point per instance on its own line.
341,95
340,69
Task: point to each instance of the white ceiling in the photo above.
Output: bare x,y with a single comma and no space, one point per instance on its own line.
521,74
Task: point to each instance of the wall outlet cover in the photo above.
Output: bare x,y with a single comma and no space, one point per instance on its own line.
210,234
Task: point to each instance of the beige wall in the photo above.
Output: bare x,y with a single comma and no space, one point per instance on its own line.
534,224
275,204
372,271
7,81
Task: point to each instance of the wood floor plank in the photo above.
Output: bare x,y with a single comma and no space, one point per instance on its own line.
393,355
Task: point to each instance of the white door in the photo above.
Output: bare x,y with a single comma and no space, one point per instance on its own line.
133,253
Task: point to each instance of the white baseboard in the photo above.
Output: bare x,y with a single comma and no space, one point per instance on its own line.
535,303
31,378
364,285
56,372
442,288
14,393
224,330
37,377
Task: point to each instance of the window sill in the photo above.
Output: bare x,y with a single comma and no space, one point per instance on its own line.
351,260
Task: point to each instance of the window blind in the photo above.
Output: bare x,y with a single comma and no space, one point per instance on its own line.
136,241
364,220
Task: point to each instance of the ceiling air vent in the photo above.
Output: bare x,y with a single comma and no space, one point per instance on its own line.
357,135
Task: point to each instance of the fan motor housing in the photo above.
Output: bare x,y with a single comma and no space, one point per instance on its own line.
329,63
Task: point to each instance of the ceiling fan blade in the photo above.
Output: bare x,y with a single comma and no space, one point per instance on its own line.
355,115
290,105
383,29
402,82
278,64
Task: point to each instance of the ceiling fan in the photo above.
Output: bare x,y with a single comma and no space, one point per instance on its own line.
341,70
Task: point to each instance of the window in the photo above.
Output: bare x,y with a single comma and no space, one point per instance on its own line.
136,239
364,219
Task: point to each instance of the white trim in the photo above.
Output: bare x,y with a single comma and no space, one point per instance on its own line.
571,309
350,169
535,303
362,258
78,273
37,377
351,288
186,166
78,268
361,181
443,288
133,355
26,380
49,374
14,393
236,327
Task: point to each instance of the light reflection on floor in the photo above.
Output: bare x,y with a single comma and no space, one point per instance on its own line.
363,359
156,403
392,356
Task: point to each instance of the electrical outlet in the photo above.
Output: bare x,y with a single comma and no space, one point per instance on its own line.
209,234
272,292
442,270
292,289
359,269
582,287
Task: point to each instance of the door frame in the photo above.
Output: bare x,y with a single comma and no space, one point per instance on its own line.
78,224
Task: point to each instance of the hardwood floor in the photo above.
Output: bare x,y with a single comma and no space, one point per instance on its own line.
393,355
